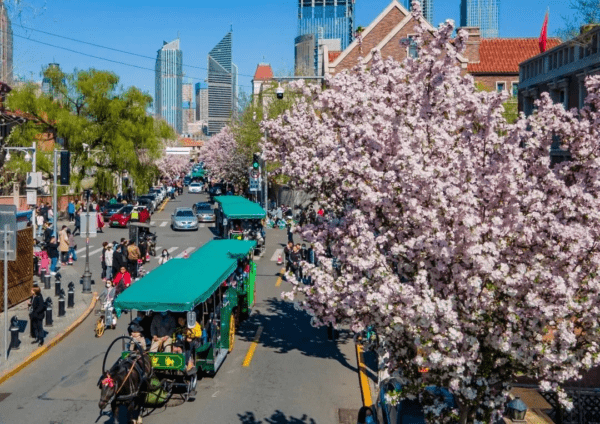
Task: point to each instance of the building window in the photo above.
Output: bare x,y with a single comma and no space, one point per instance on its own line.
515,89
500,87
412,48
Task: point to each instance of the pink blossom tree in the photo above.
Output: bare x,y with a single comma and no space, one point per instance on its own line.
456,239
173,166
223,159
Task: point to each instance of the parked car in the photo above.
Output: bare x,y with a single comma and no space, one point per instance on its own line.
152,197
110,209
184,219
195,188
204,212
147,203
160,193
216,190
123,216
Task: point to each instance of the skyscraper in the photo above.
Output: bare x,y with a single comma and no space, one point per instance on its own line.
222,81
188,107
6,46
321,22
201,103
482,14
169,81
426,5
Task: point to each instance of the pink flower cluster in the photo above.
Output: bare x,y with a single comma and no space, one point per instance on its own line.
457,240
222,158
173,166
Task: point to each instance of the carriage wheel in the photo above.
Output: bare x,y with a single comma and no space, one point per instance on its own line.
100,326
231,332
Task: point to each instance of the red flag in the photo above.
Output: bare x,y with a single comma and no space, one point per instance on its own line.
544,35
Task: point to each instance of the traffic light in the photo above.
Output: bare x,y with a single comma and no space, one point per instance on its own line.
256,161
65,167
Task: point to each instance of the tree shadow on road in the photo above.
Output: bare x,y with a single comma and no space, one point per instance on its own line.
286,329
278,417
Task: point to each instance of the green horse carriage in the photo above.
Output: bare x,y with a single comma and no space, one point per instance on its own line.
241,219
214,287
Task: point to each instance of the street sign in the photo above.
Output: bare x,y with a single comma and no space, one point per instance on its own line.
255,184
93,223
8,216
32,197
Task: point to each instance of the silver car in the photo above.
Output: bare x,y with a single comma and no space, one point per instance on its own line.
184,219
204,212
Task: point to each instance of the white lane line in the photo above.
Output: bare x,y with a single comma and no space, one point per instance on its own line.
172,249
188,250
164,224
82,249
276,254
93,252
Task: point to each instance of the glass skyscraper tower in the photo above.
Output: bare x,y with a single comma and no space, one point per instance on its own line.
426,5
168,85
222,85
482,14
327,19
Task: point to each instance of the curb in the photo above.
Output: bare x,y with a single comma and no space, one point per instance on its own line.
162,207
362,377
36,354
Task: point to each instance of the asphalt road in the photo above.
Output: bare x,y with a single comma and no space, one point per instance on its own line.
295,375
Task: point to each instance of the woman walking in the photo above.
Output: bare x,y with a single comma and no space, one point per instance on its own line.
36,315
52,249
103,260
72,255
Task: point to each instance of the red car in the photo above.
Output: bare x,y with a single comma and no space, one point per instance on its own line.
122,217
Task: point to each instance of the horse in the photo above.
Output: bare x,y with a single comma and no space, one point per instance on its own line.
125,384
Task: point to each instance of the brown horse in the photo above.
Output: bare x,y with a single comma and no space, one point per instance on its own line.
125,384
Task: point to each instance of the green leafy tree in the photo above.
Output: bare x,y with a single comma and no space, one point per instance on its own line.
584,12
102,125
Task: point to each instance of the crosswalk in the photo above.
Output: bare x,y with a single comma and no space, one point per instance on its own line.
181,251
165,223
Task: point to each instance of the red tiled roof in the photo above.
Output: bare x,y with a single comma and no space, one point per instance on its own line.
503,55
333,56
188,142
263,72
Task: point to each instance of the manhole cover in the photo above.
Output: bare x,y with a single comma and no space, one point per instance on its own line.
4,396
347,416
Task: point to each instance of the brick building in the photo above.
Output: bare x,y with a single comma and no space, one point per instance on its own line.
493,62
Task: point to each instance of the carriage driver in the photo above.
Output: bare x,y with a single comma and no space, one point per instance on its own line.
162,329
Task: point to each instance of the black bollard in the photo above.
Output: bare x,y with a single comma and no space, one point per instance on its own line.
47,281
14,333
48,312
71,295
57,288
61,303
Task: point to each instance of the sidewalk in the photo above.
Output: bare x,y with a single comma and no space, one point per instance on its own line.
62,326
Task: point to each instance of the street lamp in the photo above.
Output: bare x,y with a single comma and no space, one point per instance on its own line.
517,410
87,274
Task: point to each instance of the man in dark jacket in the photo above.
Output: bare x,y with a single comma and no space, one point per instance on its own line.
295,258
37,314
287,250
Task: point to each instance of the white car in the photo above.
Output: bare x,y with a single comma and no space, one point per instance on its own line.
195,188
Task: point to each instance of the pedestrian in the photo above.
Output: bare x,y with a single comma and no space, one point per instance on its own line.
164,257
72,254
365,415
52,249
37,313
121,281
63,242
287,250
71,211
99,222
133,254
47,232
77,222
108,260
50,215
295,258
290,232
103,260
39,220
117,257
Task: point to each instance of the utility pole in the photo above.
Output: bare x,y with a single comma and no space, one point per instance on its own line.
87,274
33,164
54,201
265,176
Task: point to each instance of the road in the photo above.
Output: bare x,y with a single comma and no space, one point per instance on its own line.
295,375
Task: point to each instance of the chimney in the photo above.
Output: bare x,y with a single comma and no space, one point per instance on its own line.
472,49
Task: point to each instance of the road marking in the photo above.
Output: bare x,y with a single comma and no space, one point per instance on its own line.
93,252
278,283
172,249
189,251
362,376
202,225
252,349
215,394
276,254
164,224
82,249
163,205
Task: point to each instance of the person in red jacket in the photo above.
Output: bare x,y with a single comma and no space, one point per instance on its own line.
122,280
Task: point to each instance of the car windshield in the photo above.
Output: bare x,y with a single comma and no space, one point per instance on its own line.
203,206
195,185
126,210
114,207
184,213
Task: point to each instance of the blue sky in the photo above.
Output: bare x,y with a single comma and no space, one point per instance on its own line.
263,30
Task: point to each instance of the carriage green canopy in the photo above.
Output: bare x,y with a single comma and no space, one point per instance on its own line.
198,174
237,207
181,284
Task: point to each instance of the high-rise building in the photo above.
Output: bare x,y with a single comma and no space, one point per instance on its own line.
426,5
169,81
201,103
47,86
321,22
6,46
188,107
222,85
482,14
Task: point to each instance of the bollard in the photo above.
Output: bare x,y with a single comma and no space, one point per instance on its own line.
48,312
47,281
71,295
61,303
57,288
14,333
